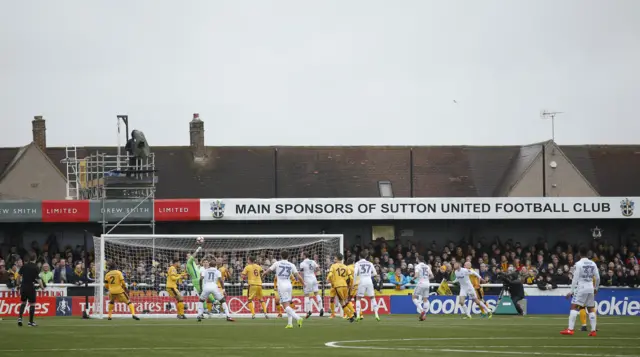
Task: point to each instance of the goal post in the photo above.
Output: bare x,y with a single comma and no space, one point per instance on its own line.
145,258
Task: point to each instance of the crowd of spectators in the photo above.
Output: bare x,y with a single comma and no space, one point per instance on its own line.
63,266
538,264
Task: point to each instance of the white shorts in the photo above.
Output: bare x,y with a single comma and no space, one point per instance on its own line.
285,292
310,285
584,299
211,289
422,290
468,293
365,290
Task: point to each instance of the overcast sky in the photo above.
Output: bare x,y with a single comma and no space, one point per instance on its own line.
329,72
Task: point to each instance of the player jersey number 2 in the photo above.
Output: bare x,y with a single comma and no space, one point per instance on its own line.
285,271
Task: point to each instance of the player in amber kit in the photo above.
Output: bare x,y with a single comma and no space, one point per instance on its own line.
353,284
339,274
333,297
114,281
479,291
253,274
173,277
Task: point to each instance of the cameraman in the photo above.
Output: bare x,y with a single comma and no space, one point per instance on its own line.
511,282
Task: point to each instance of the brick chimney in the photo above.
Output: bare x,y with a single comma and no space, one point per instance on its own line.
196,140
39,132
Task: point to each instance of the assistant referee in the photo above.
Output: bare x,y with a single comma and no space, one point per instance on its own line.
28,278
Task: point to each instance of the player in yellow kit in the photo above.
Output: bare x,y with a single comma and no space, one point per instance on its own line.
224,271
114,281
353,284
339,276
253,274
173,277
332,297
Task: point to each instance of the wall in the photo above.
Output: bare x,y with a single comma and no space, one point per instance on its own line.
34,177
356,232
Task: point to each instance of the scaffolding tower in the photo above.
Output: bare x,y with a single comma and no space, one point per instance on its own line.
102,176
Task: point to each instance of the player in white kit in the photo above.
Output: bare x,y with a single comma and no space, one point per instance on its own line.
421,292
466,288
583,291
309,267
363,272
284,270
209,281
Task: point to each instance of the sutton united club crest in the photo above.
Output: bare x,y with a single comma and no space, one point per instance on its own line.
626,207
217,209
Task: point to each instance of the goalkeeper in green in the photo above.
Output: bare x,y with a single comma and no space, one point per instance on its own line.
194,271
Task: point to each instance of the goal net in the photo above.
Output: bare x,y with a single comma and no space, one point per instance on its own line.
145,259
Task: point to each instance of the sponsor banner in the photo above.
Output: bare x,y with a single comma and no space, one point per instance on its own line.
617,303
45,306
48,291
237,305
20,211
65,211
419,208
115,210
177,210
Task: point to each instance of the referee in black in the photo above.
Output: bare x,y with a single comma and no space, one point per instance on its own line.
29,275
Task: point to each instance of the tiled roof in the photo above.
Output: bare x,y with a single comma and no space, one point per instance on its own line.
438,171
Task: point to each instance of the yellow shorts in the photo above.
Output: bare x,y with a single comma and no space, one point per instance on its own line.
174,293
353,291
255,292
332,293
120,297
480,293
342,292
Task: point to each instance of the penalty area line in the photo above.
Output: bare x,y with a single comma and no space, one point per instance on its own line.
341,344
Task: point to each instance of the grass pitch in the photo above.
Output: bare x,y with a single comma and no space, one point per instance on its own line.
393,336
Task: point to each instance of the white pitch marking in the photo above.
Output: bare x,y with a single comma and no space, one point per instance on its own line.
338,344
158,348
316,323
503,346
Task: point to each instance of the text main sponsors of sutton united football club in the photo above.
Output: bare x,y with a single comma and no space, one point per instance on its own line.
418,208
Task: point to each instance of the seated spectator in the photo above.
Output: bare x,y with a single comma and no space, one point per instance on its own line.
14,272
610,279
63,273
632,279
398,280
4,274
46,274
561,278
78,276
